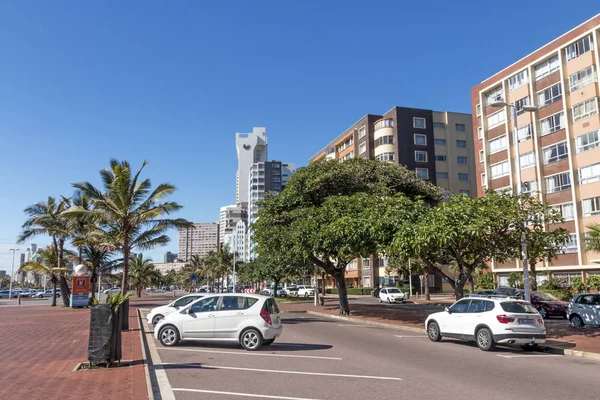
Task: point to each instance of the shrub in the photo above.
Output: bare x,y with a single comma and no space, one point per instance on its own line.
354,291
514,279
485,281
564,295
579,286
551,284
593,282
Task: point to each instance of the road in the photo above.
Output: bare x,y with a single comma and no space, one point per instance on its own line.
319,358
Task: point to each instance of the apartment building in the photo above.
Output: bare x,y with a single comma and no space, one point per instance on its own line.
437,145
537,129
251,148
199,239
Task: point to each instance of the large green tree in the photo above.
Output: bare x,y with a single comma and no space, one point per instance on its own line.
330,213
130,215
46,263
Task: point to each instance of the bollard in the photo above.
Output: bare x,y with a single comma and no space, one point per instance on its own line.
173,294
19,299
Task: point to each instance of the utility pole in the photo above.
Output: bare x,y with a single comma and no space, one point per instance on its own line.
12,273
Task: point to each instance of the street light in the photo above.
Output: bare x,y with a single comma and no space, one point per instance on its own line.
12,273
520,185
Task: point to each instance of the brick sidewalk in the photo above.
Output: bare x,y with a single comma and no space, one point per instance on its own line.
562,336
42,345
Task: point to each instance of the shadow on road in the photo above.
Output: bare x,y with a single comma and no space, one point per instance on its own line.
280,346
294,321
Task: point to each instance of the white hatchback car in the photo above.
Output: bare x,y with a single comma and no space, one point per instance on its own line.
391,295
251,319
584,309
158,313
488,321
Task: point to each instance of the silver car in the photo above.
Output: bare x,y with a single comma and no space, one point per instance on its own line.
584,309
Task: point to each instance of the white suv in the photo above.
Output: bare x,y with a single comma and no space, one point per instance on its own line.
488,321
305,291
251,319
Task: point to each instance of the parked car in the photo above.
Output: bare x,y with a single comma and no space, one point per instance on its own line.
281,292
5,294
548,305
112,290
488,322
483,293
291,291
584,309
158,313
45,293
250,319
391,295
305,291
267,291
506,291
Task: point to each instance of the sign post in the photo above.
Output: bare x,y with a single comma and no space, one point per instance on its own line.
80,284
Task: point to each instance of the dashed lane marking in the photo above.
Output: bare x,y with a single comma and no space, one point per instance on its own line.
262,396
239,353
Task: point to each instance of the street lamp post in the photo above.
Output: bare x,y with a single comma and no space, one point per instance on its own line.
519,187
12,273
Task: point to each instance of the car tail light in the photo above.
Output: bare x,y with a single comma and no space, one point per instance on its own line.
540,321
266,316
504,319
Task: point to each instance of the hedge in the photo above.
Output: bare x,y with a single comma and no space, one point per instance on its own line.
355,291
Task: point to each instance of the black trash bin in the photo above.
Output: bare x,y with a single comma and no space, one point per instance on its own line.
105,334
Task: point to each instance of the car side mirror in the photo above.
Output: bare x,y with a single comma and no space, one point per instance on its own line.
448,310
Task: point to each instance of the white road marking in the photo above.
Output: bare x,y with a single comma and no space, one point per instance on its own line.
403,336
530,355
262,396
276,371
239,353
358,326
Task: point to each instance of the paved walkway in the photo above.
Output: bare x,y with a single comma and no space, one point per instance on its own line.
560,335
41,345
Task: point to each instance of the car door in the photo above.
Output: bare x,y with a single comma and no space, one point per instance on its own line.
199,320
472,317
232,314
452,323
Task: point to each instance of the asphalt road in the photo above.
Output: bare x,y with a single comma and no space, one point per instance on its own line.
328,359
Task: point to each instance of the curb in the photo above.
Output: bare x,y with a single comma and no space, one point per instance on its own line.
145,357
573,353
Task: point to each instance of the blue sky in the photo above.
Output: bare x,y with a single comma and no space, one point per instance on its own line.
171,82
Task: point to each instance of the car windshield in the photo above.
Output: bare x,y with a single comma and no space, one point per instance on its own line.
518,307
394,291
545,296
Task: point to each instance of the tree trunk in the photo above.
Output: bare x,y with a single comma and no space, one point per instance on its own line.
459,290
275,284
472,282
342,292
139,291
124,286
323,283
532,276
54,292
426,284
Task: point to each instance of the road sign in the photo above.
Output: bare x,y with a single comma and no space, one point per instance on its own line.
193,277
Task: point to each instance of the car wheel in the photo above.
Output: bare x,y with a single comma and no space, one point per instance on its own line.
168,336
543,312
305,294
485,340
576,321
389,301
381,301
268,342
433,332
156,318
251,339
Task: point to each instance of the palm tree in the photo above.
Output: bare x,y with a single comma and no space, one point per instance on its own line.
142,273
98,262
592,240
81,225
49,218
45,264
220,263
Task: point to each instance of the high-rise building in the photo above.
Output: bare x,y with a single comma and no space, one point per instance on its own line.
437,145
264,177
199,239
170,257
251,148
552,152
229,216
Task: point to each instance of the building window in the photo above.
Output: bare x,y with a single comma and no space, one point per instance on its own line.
389,139
499,170
555,153
551,124
530,187
462,176
420,140
464,191
461,143
481,156
347,156
441,158
591,206
419,123
519,104
422,173
580,47
589,174
343,146
496,94
483,180
547,67
549,95
498,144
588,141
366,263
383,123
362,148
524,133
480,132
505,189
330,150
461,160
569,247
566,210
362,132
556,183
582,78
420,156
496,119
385,157
518,80
585,109
478,110
527,160
440,125
461,127
440,141
441,175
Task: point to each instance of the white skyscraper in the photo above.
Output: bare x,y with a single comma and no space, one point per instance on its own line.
229,216
251,148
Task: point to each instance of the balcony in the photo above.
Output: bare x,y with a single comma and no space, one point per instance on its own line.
384,123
